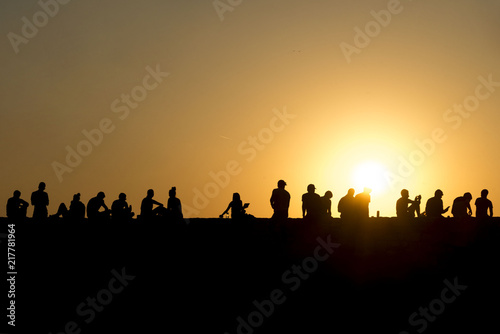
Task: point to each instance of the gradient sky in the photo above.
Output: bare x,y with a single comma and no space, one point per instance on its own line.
403,79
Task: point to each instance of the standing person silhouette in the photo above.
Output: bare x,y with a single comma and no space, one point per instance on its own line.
346,206
311,203
40,201
434,205
280,201
362,203
461,206
174,207
16,207
483,205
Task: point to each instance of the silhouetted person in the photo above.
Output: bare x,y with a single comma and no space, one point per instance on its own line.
174,207
147,204
16,207
94,205
346,206
40,201
280,201
326,204
311,203
362,203
461,206
76,208
121,210
434,205
483,205
236,206
403,210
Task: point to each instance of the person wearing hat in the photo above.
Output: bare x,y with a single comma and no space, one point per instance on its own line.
311,203
280,201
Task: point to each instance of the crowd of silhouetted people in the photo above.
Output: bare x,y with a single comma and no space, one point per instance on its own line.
351,207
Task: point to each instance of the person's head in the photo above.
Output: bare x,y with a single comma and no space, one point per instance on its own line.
468,196
41,186
484,193
151,193
236,197
438,193
101,195
76,197
311,188
367,190
351,192
122,197
405,193
172,192
17,194
328,194
281,184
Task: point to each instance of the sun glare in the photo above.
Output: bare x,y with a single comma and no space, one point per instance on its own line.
369,174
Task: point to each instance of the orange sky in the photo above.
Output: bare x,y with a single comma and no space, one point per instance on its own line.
177,94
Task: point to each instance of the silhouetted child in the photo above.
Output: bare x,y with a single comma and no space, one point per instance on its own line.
434,205
94,205
311,203
16,207
147,204
237,207
346,206
403,210
120,210
483,205
40,201
174,207
461,206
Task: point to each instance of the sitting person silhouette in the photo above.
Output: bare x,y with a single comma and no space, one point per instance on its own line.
174,206
120,210
461,206
76,210
40,201
95,204
237,207
362,203
434,205
16,207
326,204
147,211
346,206
483,205
403,210
311,203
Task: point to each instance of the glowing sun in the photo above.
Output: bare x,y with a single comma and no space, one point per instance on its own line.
369,174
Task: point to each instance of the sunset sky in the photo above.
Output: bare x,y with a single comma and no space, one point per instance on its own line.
217,97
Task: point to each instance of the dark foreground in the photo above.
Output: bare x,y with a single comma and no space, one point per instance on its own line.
215,276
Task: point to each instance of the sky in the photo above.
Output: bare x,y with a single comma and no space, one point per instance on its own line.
218,97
